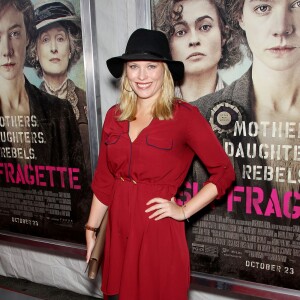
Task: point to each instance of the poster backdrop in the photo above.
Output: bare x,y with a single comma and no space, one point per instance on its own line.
253,233
45,167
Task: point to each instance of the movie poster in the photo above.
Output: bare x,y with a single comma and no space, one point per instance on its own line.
45,169
242,67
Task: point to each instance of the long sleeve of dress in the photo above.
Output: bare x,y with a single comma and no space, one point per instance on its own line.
203,141
103,181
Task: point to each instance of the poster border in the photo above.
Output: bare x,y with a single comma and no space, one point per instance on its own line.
242,287
56,246
91,68
90,57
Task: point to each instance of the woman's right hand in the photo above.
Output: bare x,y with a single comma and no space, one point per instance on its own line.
97,213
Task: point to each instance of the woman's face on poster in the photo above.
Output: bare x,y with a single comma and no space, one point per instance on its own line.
273,32
13,42
53,50
197,40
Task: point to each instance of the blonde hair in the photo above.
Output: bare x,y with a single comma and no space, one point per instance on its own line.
163,107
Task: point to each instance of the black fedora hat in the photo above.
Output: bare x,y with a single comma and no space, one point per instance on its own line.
146,44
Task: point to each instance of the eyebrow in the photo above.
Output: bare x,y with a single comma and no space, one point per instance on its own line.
180,23
202,18
197,20
14,26
58,32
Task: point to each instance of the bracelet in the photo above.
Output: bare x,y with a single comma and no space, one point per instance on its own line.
87,227
183,206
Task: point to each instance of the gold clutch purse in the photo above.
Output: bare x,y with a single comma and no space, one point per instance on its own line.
97,253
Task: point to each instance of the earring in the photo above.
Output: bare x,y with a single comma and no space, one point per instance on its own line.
70,55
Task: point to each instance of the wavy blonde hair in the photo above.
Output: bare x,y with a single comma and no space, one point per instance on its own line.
163,107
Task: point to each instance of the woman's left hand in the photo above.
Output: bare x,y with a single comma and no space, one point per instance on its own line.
163,208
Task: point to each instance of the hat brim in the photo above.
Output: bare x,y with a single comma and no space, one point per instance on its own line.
116,64
75,20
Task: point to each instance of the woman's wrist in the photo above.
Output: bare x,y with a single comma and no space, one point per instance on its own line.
184,213
91,228
90,235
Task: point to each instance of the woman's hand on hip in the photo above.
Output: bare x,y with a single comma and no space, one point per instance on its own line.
162,208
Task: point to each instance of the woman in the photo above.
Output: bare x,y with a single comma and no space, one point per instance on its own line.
199,37
269,31
58,47
148,142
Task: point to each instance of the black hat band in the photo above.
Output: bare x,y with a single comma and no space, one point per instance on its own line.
146,53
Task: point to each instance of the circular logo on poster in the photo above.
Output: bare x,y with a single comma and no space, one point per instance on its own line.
223,117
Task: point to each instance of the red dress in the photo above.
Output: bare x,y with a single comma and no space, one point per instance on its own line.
147,259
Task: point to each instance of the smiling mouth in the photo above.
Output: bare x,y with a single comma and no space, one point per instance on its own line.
195,55
143,85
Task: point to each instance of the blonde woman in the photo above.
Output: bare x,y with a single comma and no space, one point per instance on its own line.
149,140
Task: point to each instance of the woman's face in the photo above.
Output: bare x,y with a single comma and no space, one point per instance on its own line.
145,78
53,50
273,32
197,40
13,42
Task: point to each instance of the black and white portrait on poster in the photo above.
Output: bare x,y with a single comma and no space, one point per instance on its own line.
45,166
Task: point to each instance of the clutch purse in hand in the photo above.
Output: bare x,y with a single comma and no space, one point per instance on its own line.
97,253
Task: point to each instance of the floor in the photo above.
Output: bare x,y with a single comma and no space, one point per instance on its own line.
21,289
